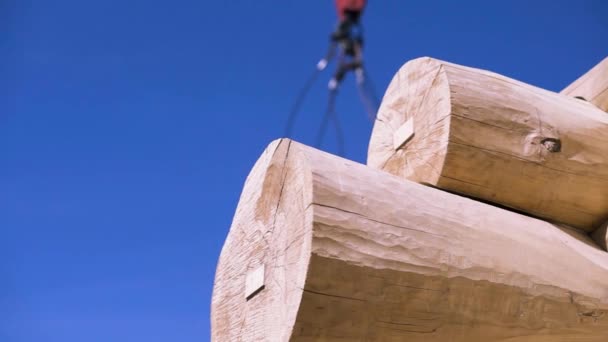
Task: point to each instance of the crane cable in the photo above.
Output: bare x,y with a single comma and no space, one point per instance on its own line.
299,100
367,94
366,90
331,114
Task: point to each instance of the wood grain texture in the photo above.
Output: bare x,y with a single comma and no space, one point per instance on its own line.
592,86
487,136
352,253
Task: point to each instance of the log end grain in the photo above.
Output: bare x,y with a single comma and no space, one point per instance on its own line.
262,266
413,101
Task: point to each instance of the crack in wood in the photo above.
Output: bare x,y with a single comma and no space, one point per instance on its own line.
377,221
332,295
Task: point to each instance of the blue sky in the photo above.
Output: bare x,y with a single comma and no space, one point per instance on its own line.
127,129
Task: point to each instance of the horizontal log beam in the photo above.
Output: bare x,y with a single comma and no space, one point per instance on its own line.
592,86
497,139
350,253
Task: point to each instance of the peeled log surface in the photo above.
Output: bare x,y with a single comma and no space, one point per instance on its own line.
351,253
592,86
489,137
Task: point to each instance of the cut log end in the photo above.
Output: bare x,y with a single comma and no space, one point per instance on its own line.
411,130
262,267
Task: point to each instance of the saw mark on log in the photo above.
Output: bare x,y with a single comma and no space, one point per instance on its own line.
296,239
271,231
270,186
540,156
529,161
416,139
377,221
333,296
458,180
424,331
276,211
397,323
496,76
433,82
426,162
487,123
529,213
410,105
423,98
283,177
433,130
418,288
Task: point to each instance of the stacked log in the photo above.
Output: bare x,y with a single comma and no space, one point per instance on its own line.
496,139
325,249
592,86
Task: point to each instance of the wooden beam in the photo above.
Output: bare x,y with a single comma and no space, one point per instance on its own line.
592,86
351,253
497,139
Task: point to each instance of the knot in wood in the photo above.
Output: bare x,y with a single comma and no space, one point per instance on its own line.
552,144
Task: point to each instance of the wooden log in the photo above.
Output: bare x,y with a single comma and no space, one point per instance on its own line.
601,236
493,138
351,253
592,86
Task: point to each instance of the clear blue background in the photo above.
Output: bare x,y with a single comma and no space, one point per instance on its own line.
127,129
